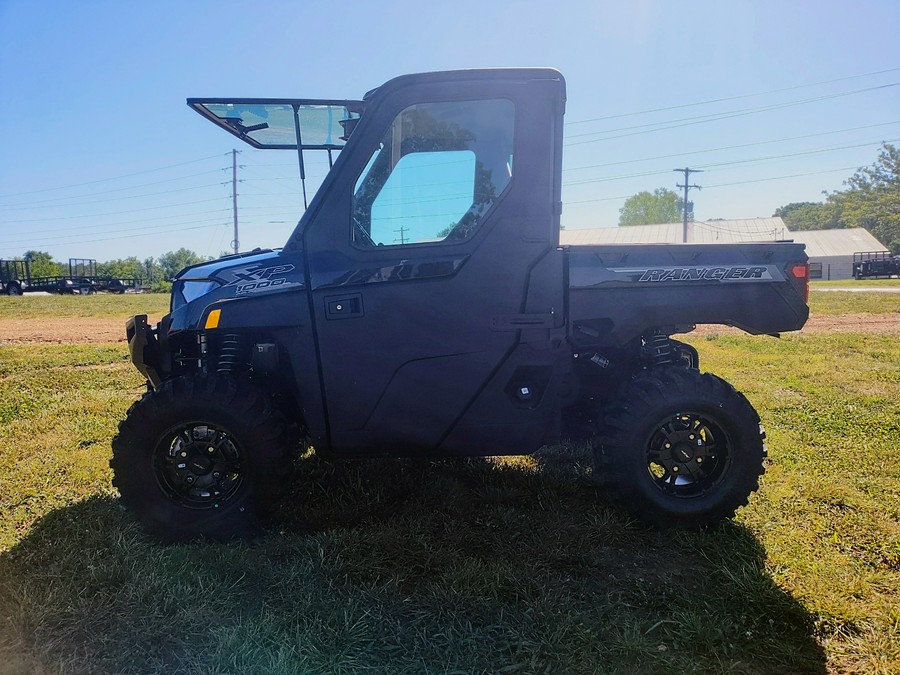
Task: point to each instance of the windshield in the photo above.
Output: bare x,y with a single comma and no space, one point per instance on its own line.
277,123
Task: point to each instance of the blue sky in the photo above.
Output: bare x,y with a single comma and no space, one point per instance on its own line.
103,159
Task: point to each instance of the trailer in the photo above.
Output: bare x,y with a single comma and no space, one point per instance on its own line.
82,279
85,270
61,285
875,264
14,276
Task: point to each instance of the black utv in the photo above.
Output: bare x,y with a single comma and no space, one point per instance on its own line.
424,307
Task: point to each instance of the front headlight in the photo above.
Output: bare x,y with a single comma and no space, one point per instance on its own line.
185,291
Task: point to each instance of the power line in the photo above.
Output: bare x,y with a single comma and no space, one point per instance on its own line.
729,147
718,185
19,205
111,199
793,175
118,223
714,117
771,106
731,98
600,199
113,213
291,178
103,180
707,225
78,237
148,234
271,206
731,163
623,176
800,153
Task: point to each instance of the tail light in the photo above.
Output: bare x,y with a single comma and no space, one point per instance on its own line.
800,279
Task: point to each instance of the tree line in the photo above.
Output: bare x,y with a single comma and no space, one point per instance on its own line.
870,199
155,273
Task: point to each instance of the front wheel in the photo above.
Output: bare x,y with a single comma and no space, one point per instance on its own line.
680,449
201,457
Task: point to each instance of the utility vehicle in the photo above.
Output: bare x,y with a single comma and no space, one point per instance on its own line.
424,307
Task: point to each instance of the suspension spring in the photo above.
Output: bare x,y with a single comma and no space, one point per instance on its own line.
658,349
229,353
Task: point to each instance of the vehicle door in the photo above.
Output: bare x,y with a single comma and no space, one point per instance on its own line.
420,252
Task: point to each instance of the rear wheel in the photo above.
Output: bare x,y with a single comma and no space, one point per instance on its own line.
201,456
680,449
13,289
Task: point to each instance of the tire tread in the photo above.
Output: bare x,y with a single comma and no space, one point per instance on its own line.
656,389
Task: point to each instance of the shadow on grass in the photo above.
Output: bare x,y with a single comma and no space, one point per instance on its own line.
405,566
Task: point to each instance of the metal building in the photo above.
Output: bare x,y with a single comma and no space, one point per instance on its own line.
830,251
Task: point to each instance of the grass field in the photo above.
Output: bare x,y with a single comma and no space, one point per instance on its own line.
837,303
474,566
99,306
854,283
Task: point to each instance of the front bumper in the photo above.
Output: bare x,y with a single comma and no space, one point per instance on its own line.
144,348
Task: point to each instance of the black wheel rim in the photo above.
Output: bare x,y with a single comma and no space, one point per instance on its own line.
199,465
688,455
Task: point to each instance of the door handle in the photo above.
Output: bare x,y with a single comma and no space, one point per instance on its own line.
344,306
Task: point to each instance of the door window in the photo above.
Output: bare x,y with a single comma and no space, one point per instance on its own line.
436,172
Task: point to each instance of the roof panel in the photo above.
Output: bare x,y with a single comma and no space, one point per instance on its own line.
819,243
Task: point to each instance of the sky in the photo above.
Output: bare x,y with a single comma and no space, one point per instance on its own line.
776,102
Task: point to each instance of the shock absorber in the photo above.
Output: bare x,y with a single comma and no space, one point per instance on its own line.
658,349
229,353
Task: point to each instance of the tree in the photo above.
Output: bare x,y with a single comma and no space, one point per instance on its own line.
42,264
810,216
872,198
151,272
644,208
127,268
174,261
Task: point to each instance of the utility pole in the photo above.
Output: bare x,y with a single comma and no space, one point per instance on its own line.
235,243
684,205
402,233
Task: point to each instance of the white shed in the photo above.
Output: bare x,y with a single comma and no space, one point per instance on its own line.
830,251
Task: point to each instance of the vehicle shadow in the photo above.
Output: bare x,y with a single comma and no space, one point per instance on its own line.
404,565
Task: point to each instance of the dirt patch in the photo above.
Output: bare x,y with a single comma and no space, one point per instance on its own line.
61,331
881,324
877,324
89,330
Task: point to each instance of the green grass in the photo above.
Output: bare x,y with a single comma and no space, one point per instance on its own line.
853,283
100,306
837,303
463,566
